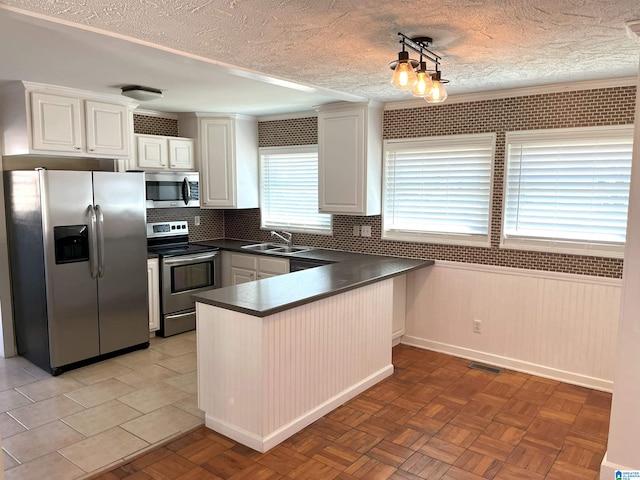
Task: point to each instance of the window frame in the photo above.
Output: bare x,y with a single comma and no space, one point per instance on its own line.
558,245
443,238
303,149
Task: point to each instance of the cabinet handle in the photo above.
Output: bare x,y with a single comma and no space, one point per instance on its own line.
78,148
91,149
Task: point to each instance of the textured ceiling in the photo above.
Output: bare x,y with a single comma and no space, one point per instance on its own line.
345,45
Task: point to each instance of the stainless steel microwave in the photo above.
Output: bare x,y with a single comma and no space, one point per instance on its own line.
172,189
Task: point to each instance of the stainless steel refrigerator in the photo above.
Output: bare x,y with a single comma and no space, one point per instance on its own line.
78,256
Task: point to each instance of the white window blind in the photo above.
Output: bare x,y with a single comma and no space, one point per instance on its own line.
438,189
289,190
567,190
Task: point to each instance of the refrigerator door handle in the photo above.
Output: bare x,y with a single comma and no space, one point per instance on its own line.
100,230
186,191
93,249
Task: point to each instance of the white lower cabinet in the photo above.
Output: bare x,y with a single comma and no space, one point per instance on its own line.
247,268
270,267
153,285
240,275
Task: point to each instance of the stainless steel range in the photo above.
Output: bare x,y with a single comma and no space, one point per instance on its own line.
185,269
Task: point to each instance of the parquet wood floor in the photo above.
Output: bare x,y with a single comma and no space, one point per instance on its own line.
433,419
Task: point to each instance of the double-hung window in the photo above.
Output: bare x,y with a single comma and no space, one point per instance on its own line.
438,189
567,190
289,190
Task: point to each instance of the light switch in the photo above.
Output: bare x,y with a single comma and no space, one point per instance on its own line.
356,230
196,220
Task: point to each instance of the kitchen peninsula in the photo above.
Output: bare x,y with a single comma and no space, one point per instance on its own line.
275,355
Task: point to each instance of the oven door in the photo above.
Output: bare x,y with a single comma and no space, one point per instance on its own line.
184,275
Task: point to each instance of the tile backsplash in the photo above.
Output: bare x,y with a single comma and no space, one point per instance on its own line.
211,221
604,106
153,125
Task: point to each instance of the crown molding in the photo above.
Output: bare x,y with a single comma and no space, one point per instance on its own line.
287,116
517,92
154,113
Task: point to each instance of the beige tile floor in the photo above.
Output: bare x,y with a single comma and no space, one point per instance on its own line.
83,421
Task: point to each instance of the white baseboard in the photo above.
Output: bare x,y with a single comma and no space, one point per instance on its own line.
262,444
608,469
511,363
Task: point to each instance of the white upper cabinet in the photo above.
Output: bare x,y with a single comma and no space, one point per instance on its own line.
43,119
56,123
350,159
152,152
227,159
181,155
107,127
156,152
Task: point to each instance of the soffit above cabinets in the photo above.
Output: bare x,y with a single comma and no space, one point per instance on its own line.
268,56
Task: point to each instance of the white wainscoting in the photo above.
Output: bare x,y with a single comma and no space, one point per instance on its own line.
554,325
260,380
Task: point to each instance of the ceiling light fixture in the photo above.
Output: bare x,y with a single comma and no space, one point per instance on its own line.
412,75
140,93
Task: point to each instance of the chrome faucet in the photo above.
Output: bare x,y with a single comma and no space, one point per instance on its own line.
288,240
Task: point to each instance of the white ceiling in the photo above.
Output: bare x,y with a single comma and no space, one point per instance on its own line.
273,56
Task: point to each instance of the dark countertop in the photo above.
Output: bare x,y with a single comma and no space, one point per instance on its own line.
346,271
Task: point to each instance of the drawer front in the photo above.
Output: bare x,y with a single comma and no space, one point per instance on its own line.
239,260
273,265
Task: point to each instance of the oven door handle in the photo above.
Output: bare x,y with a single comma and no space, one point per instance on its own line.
186,259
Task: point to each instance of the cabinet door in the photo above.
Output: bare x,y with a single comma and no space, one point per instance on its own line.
217,165
341,161
151,152
153,276
181,154
240,275
107,128
55,123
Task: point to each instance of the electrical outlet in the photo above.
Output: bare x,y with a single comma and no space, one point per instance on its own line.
477,326
196,220
356,230
366,230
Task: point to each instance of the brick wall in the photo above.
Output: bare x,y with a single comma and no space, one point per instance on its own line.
605,106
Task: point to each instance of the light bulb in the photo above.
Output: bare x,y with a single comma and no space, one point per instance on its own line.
437,92
423,82
403,75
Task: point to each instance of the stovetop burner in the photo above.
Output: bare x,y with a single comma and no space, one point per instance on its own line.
173,250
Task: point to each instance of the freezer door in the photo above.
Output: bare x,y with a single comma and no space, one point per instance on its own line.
72,295
119,201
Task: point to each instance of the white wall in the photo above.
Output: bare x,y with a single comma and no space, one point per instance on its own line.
556,325
623,452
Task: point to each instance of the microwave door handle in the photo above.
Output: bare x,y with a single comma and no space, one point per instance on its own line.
100,230
186,191
93,239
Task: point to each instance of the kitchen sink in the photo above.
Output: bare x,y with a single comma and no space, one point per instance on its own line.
261,247
276,248
291,249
